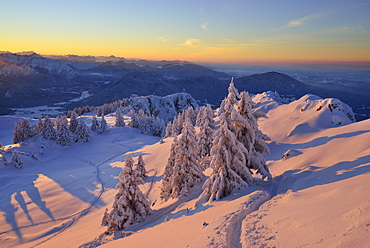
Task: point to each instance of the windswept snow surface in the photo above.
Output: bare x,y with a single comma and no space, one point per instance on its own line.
318,197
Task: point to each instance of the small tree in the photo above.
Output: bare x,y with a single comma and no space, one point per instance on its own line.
16,160
4,159
49,132
103,125
134,122
130,205
22,131
140,171
120,121
166,188
83,132
95,124
64,135
73,122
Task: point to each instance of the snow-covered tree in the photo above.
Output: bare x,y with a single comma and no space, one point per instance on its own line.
166,188
64,135
83,133
228,164
186,170
140,171
73,122
95,123
40,125
49,132
120,121
251,136
130,205
103,125
134,122
4,159
16,160
169,130
205,135
22,131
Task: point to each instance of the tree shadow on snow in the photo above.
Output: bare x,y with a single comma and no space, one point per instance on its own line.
277,150
311,176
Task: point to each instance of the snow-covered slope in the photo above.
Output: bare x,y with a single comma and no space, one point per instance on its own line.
319,196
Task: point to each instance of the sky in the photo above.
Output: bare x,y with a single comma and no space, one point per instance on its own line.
212,31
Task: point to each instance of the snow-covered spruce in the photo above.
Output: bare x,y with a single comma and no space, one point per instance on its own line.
49,132
205,135
73,122
186,171
252,138
228,164
64,135
130,204
237,148
22,131
16,160
120,121
103,128
140,171
83,133
166,188
94,124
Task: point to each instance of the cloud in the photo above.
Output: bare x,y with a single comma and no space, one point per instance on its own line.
204,26
304,20
162,39
192,43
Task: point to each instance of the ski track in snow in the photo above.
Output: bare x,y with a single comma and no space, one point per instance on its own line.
86,210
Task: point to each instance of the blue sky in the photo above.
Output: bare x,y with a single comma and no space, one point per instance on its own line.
207,31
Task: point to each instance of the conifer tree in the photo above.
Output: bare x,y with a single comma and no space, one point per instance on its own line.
40,125
16,160
103,125
22,131
73,122
205,135
228,164
140,171
49,132
186,170
64,135
166,188
94,124
4,159
120,121
83,133
130,205
134,122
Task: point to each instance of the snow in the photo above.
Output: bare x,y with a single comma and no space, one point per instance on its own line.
318,196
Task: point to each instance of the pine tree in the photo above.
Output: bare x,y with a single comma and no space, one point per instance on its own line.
133,123
130,205
169,130
4,159
140,171
64,135
95,124
252,137
228,164
103,126
40,125
186,171
49,132
22,131
166,188
83,133
73,122
205,138
16,160
120,121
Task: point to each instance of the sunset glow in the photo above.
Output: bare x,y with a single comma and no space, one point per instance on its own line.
208,31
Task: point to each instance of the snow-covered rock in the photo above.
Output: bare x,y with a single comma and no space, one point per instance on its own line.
166,107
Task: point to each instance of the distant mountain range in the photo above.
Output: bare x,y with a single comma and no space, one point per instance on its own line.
29,79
